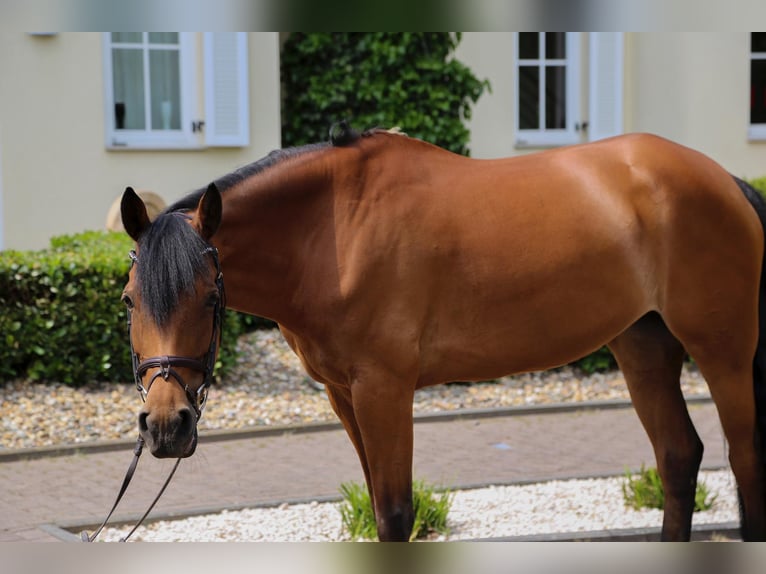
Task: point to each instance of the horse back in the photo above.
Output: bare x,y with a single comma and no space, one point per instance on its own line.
467,269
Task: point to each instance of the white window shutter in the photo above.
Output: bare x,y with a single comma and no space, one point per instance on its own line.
227,101
606,85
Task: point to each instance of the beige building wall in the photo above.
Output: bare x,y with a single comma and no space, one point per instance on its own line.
693,88
57,175
490,55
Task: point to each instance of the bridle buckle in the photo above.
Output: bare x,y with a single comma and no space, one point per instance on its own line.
165,367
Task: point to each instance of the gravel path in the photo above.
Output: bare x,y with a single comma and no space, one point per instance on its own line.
498,511
269,387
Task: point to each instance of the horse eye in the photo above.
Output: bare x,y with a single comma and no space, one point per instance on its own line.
212,300
127,300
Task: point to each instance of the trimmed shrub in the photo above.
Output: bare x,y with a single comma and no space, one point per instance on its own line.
62,318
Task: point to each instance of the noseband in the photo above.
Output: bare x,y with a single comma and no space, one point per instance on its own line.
166,363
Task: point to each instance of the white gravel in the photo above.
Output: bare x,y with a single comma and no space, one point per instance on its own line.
498,511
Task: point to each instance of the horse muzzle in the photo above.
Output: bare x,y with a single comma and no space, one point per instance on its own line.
169,434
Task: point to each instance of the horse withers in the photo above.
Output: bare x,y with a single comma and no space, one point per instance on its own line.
391,264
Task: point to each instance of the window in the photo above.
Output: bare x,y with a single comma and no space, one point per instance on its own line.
151,84
547,88
758,86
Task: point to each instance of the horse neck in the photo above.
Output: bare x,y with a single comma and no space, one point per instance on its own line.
270,237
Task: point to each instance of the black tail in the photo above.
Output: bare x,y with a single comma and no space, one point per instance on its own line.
759,363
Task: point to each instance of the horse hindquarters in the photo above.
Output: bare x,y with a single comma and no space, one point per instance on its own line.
713,286
759,370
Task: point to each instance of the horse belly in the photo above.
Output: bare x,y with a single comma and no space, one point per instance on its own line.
522,309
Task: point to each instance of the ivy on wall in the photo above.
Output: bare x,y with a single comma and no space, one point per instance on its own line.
408,80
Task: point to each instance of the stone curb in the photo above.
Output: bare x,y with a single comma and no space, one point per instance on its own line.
703,532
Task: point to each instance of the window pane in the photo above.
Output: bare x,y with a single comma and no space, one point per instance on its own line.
555,97
529,97
529,45
758,91
128,83
127,37
164,78
555,45
758,42
163,37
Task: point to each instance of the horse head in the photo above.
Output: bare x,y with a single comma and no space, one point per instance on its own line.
175,302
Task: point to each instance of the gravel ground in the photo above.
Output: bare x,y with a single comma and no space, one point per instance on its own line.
498,511
269,387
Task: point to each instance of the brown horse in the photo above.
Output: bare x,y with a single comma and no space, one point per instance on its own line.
391,264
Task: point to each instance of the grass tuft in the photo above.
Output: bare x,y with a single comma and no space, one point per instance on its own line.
431,509
645,490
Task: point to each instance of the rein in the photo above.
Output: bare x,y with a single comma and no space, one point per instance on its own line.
165,364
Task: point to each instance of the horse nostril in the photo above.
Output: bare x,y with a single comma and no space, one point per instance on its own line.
185,422
143,426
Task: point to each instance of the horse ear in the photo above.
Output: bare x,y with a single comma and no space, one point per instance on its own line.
209,211
135,220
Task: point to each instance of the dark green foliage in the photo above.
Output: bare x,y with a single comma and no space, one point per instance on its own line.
249,323
759,183
597,362
430,509
409,80
62,319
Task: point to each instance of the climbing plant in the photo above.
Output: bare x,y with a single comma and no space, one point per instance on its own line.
409,80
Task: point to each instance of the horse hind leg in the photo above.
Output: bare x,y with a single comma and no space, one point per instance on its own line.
730,380
651,359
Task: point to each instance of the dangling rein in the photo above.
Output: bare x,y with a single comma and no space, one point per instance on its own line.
126,481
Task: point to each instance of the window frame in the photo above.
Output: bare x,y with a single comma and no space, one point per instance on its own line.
755,132
146,139
544,137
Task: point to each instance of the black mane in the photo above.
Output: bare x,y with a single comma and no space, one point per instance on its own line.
171,253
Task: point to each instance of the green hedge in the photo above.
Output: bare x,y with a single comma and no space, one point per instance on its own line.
62,318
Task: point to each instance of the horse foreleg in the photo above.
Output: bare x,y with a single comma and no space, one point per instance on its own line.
383,411
340,399
651,358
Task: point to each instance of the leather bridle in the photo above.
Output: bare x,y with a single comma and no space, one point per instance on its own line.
165,364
